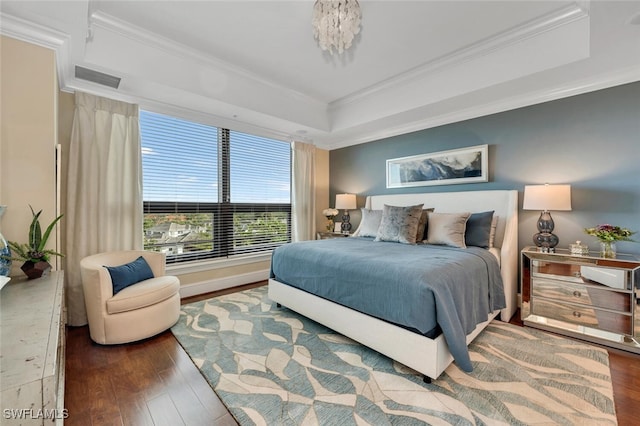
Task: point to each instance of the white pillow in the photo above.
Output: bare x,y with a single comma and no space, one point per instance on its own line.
370,223
447,229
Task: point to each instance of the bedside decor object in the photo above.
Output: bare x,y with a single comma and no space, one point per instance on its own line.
546,198
346,202
466,165
578,248
330,214
5,251
608,235
33,254
336,23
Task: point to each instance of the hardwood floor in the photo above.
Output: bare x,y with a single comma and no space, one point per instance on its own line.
154,382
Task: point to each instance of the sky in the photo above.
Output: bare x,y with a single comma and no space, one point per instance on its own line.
180,163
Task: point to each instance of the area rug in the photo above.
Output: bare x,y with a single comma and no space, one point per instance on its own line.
271,366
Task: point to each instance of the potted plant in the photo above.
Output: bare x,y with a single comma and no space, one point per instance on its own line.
33,254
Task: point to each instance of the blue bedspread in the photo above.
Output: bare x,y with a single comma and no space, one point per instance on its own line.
416,286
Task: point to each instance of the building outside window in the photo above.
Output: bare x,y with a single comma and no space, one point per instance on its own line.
211,192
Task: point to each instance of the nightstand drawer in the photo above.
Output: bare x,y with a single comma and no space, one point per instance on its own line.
559,271
582,315
581,294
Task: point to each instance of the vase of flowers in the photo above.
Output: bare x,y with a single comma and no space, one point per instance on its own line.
33,254
330,214
608,235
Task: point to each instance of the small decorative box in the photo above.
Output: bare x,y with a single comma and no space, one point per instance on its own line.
578,248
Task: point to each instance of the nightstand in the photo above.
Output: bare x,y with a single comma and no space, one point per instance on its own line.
326,234
584,296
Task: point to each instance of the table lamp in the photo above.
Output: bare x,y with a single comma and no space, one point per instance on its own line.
345,202
546,198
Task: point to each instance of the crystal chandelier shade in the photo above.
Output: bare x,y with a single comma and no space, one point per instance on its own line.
336,23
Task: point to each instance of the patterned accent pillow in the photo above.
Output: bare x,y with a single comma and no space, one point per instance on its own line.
399,224
370,223
447,229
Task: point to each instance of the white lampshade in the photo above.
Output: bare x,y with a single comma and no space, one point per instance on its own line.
345,201
547,197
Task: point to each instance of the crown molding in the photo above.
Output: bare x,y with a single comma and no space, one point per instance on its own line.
586,85
30,32
533,28
123,28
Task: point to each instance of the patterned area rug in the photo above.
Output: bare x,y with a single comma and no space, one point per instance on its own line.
271,366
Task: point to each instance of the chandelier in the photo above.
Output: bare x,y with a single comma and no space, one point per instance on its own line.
336,23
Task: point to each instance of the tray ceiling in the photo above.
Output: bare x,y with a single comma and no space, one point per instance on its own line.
254,65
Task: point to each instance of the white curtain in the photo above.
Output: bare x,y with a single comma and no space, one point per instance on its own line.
303,192
104,188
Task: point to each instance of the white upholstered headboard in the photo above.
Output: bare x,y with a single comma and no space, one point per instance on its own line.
505,205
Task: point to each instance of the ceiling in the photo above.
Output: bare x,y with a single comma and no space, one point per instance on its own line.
254,66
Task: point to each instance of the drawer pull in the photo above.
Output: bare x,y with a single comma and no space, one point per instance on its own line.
577,293
577,314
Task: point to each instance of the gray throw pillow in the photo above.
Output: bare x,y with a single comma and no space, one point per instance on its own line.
478,229
399,224
447,229
370,223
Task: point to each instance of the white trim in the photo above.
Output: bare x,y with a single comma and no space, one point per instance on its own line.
127,29
216,284
555,19
577,87
209,265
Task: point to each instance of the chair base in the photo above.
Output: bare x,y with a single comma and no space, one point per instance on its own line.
131,326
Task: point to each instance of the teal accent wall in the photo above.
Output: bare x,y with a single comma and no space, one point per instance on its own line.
590,141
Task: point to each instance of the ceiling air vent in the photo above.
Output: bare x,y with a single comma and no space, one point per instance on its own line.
97,77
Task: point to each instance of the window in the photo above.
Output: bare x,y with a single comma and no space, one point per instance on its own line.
211,192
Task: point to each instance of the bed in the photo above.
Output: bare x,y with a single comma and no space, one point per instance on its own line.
427,351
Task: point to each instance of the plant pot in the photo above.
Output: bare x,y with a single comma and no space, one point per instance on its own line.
36,270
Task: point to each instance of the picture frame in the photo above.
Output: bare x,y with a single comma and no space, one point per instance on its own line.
337,227
455,166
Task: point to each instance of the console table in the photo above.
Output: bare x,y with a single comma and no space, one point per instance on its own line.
32,337
585,296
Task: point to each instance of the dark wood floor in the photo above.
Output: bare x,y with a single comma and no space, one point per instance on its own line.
154,382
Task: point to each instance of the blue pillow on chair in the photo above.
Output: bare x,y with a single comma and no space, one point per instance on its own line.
125,275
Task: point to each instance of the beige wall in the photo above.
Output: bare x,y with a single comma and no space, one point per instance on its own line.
28,138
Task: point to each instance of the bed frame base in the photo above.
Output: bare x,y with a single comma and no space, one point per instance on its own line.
427,356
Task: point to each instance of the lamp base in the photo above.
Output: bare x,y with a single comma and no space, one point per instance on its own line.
546,242
346,226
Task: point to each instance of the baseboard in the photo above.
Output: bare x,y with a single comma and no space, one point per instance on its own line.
208,286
